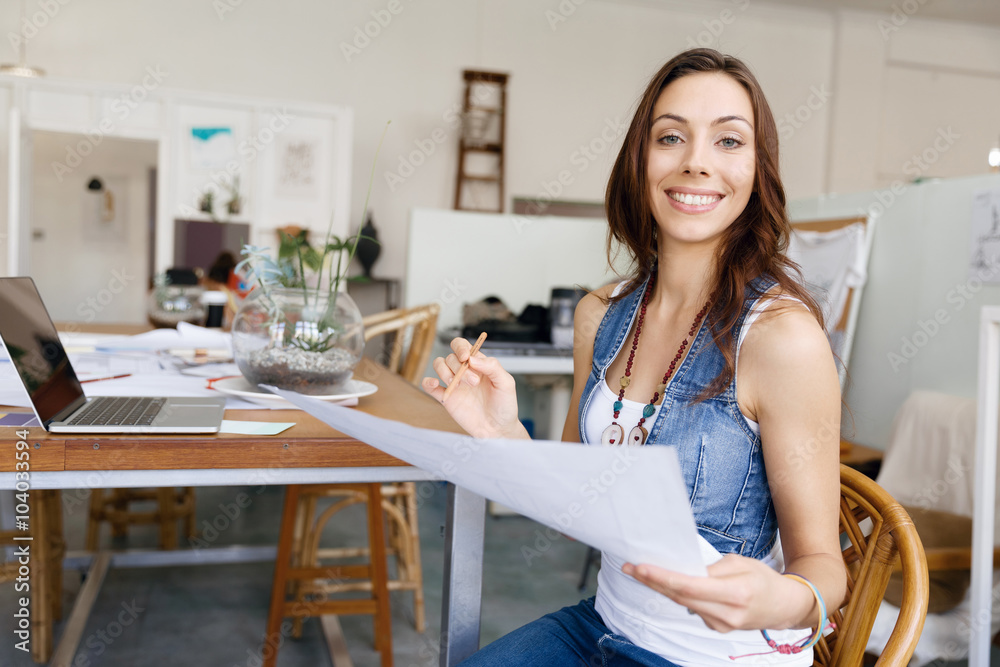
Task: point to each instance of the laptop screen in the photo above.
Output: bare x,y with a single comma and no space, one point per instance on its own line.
34,348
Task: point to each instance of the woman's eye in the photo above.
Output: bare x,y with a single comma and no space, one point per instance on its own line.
730,142
670,139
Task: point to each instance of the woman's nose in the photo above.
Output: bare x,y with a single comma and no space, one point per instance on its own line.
696,160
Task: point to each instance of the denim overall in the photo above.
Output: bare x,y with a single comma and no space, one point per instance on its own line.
720,455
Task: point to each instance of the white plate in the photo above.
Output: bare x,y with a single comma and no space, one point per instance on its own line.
238,386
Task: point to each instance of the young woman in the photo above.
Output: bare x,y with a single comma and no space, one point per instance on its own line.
710,346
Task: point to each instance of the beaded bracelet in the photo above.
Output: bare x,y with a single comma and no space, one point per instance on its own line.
808,642
819,603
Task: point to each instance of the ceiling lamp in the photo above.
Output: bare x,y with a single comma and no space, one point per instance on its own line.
21,68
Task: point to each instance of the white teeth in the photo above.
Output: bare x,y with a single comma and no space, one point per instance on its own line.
694,200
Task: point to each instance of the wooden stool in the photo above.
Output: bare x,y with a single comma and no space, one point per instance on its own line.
46,550
399,503
308,599
173,505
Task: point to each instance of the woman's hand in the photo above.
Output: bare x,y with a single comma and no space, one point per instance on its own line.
485,402
739,593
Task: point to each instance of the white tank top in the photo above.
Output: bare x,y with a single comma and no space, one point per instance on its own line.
654,621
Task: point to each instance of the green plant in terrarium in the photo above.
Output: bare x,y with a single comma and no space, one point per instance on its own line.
297,265
317,272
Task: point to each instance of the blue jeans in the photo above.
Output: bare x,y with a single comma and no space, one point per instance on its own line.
571,637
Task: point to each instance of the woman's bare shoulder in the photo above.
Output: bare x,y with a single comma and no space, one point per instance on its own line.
589,313
788,329
595,303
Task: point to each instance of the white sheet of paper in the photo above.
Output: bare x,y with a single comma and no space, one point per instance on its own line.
628,501
185,336
254,428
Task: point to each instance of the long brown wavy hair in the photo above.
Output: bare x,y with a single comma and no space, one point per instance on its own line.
754,244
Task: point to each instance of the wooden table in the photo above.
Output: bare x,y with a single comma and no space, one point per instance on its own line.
308,453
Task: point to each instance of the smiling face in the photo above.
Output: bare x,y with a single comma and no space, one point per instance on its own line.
701,163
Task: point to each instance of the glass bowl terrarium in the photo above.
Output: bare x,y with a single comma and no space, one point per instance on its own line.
301,339
298,329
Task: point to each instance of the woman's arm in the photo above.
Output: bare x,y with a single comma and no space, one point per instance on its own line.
589,313
794,393
787,383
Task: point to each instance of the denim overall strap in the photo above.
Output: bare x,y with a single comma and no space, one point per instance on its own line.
608,342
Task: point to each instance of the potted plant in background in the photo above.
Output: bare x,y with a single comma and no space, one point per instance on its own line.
298,329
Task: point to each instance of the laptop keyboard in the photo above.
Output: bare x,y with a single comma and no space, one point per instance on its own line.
118,411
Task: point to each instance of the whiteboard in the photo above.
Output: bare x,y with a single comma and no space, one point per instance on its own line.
457,257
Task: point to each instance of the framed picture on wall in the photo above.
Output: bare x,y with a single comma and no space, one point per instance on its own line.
298,167
212,147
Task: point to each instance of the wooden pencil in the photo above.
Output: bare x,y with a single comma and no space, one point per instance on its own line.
464,367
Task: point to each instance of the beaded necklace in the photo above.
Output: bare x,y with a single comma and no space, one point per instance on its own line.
614,433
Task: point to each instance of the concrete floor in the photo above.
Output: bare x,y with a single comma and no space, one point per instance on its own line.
215,615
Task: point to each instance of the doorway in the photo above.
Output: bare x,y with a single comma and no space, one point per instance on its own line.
92,220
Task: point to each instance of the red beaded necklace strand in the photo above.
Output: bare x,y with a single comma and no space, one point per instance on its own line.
615,434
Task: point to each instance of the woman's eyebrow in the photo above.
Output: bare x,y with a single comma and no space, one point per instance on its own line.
671,116
718,121
725,119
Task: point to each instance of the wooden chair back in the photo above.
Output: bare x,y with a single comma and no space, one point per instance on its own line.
870,556
421,324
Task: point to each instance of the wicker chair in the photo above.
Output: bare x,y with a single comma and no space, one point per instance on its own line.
172,505
870,557
406,353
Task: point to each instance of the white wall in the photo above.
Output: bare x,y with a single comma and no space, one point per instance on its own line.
83,273
918,326
458,257
915,101
854,103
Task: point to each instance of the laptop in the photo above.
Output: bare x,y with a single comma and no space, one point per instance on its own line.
56,394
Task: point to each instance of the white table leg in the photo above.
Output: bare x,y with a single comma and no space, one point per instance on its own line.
463,575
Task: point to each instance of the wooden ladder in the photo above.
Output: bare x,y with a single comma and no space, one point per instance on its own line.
483,132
